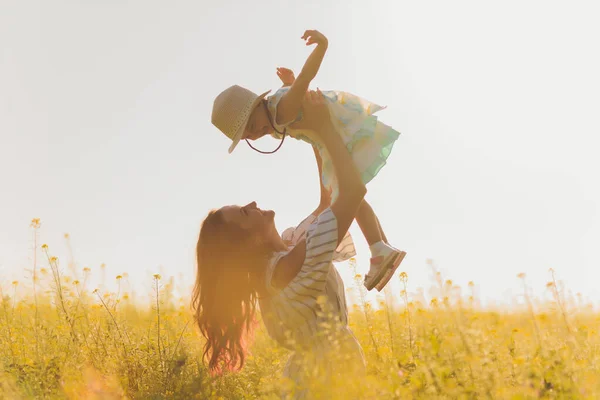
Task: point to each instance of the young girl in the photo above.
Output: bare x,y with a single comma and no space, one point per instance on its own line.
241,114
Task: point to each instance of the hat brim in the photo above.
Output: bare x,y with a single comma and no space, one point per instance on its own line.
238,135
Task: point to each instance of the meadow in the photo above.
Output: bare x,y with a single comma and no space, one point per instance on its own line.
60,339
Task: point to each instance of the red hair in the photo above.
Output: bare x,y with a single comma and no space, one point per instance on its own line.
225,293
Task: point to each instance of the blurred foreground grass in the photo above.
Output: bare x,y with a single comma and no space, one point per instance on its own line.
62,340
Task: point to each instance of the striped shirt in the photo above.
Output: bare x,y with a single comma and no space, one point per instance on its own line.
292,315
344,251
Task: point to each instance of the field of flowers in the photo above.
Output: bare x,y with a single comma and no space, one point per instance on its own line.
62,340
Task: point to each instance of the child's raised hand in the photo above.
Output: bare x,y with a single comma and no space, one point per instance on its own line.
312,37
291,101
286,75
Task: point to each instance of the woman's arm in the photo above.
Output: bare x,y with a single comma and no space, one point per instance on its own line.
325,200
351,188
351,193
287,79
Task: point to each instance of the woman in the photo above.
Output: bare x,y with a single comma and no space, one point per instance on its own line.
242,261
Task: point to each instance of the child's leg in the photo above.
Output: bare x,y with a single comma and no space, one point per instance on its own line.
364,218
381,230
384,258
368,223
371,228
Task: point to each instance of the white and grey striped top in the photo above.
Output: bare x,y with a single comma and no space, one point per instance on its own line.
344,251
292,315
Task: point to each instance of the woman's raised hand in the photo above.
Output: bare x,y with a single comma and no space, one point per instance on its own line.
315,113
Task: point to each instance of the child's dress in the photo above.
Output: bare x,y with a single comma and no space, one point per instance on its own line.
368,140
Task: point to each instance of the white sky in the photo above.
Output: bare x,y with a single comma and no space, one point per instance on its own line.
105,131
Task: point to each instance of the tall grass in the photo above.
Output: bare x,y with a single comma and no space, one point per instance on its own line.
60,339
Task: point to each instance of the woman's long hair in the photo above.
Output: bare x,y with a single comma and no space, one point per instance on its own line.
230,266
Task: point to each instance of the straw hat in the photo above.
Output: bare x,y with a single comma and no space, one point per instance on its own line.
231,111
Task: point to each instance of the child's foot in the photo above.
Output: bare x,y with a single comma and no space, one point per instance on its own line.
383,267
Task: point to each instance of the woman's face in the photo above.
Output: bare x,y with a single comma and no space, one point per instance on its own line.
258,124
251,218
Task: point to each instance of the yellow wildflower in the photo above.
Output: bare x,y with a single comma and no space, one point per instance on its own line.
519,361
321,300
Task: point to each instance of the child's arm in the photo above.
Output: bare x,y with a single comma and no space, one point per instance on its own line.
286,75
291,102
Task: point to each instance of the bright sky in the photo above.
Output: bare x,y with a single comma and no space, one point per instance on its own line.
105,131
